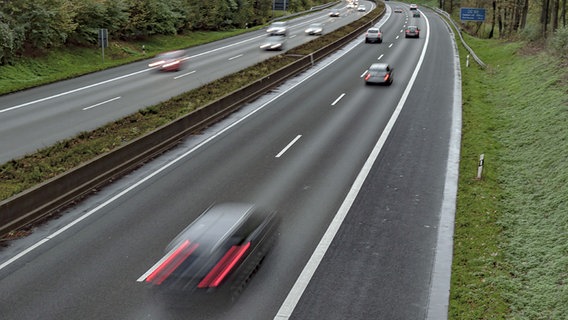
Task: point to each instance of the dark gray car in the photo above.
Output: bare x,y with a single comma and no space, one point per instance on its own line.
218,252
379,73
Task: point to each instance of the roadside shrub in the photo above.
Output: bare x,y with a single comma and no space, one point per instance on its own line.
531,33
559,43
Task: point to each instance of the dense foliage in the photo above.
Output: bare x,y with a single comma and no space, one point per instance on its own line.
505,18
539,22
29,27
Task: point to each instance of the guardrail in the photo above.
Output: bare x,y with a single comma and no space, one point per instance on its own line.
467,47
64,190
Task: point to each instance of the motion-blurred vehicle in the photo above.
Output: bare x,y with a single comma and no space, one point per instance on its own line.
169,61
314,29
374,35
219,252
362,8
397,9
413,7
416,14
379,73
273,42
334,13
412,32
279,28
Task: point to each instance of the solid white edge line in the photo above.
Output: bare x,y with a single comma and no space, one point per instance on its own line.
101,103
307,273
338,99
23,253
439,295
158,264
288,146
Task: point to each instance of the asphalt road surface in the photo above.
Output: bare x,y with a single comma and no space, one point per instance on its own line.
321,146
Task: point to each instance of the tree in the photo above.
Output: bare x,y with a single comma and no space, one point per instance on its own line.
45,23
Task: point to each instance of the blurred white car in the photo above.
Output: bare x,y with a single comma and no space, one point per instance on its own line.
314,29
273,42
362,8
279,28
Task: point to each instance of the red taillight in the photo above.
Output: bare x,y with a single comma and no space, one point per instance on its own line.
172,262
367,76
224,266
387,76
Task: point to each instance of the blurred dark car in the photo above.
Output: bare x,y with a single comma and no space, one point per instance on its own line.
170,61
273,42
379,73
416,14
314,29
412,32
398,9
218,252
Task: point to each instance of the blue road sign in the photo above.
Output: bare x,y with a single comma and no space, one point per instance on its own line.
472,14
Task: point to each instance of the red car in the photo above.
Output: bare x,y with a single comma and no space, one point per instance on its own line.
169,61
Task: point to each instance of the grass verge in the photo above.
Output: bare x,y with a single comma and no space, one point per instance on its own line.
511,241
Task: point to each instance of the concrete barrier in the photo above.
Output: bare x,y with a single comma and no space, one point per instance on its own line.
65,189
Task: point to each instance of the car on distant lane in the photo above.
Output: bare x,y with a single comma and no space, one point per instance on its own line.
362,8
374,35
169,61
334,13
412,32
279,28
273,42
397,9
314,29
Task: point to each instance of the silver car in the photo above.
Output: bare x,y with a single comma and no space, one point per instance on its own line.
374,35
279,28
273,43
379,73
314,29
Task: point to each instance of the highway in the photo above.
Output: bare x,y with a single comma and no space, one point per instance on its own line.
64,109
323,150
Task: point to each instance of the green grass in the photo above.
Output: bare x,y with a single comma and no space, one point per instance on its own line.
511,240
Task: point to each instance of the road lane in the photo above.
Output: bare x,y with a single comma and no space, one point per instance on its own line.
52,110
117,243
